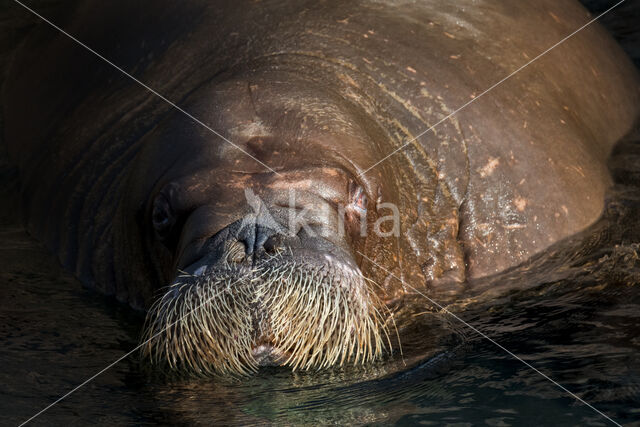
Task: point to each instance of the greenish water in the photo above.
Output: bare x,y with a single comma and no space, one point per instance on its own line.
576,317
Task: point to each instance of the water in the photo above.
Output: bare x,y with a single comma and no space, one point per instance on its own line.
573,312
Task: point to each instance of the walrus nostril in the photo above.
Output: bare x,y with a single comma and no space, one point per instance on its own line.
273,244
236,251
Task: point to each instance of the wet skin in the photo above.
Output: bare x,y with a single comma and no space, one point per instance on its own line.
129,192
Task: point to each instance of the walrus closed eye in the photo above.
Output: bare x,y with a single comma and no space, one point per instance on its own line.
298,314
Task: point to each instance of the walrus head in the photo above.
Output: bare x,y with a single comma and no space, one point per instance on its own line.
265,265
257,293
278,266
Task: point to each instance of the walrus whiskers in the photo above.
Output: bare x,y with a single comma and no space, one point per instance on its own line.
188,331
314,316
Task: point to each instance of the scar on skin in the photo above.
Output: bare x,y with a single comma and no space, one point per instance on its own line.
513,226
490,167
578,169
330,172
520,203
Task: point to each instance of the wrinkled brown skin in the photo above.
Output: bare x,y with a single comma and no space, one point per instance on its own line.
318,91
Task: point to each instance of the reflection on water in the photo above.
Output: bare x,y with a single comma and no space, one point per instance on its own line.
575,315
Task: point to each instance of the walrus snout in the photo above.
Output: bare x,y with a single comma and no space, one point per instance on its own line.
250,240
260,297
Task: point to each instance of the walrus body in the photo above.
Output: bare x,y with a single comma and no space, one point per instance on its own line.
128,191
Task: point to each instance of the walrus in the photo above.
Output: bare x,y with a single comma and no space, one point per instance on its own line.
257,176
